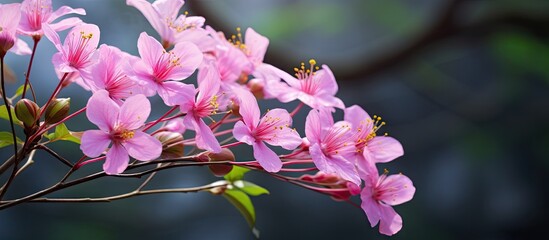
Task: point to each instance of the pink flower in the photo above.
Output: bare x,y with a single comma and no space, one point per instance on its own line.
35,13
331,146
10,15
273,128
119,125
113,73
163,17
378,196
204,105
371,148
231,59
77,51
314,87
157,67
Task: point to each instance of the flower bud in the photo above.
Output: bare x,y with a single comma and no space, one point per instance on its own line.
172,146
220,170
57,110
256,87
27,111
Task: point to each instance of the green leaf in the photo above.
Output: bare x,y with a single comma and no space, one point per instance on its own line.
243,203
63,133
19,91
6,139
4,114
250,188
236,174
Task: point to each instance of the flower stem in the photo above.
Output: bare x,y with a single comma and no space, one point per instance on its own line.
14,138
27,77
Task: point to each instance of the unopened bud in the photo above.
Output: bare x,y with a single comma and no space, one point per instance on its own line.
27,111
220,170
256,87
57,110
172,144
234,107
219,187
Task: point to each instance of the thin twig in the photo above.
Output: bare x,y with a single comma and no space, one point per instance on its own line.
14,137
54,154
128,195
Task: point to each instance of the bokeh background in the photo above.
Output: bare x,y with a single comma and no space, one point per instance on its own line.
463,84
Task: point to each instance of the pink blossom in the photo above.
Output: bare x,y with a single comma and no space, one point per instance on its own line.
378,196
35,13
158,66
113,73
163,17
10,15
313,86
331,146
120,126
77,51
273,128
204,105
231,61
371,148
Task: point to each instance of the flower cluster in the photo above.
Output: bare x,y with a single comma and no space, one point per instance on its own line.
221,111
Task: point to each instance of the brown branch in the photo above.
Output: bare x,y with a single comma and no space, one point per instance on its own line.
128,195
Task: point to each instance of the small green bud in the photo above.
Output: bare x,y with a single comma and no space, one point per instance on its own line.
27,111
172,146
57,110
220,170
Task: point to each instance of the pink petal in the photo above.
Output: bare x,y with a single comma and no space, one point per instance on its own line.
151,14
205,138
266,157
143,146
149,48
21,47
249,110
75,36
292,81
102,111
319,159
64,10
189,57
370,206
209,83
94,142
241,132
356,116
10,14
65,24
345,169
117,160
199,37
257,45
134,112
175,93
279,130
326,80
313,127
168,8
366,168
390,222
396,189
52,36
326,100
383,149
334,164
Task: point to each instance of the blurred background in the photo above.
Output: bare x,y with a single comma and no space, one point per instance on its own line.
463,84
